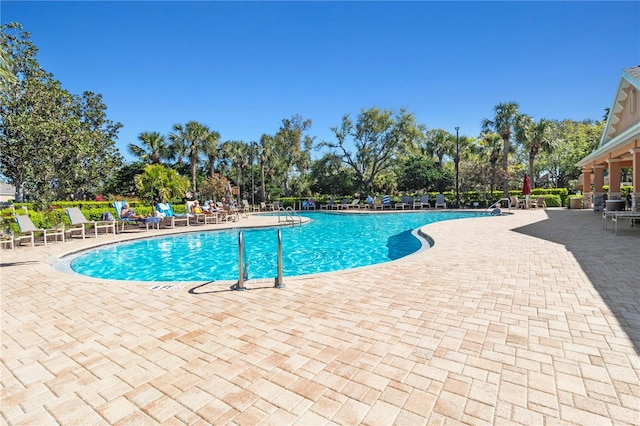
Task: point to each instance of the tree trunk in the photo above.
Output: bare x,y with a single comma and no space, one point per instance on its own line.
193,176
505,165
262,191
19,195
532,159
238,181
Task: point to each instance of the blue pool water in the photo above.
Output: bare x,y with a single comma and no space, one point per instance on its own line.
329,242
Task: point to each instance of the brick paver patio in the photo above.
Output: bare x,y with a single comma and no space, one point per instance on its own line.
531,318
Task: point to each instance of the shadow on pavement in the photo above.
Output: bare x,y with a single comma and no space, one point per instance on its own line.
612,262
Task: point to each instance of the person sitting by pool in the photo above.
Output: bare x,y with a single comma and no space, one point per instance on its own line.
196,209
496,212
129,213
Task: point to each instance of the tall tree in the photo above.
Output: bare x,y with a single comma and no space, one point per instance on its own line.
237,152
378,137
535,137
193,135
488,148
503,122
292,148
574,141
441,143
266,150
153,149
53,143
210,149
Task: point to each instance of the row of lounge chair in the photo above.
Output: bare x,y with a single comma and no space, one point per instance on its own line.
406,202
80,225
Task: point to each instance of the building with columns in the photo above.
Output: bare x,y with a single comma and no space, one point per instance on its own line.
619,147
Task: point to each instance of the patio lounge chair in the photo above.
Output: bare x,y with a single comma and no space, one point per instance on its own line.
405,201
386,202
246,207
200,217
165,212
344,205
515,202
78,222
28,230
146,221
328,206
540,202
440,201
6,240
423,202
355,204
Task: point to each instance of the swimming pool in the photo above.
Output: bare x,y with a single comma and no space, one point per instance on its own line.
329,242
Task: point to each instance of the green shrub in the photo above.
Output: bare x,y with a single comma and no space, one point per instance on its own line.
552,200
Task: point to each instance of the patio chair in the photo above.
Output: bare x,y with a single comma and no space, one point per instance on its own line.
355,204
28,231
78,222
344,205
423,202
515,202
540,202
200,217
165,212
146,221
440,201
405,201
386,202
328,206
246,207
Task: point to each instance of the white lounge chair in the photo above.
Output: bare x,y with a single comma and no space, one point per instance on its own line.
355,204
440,201
28,231
200,217
165,211
78,222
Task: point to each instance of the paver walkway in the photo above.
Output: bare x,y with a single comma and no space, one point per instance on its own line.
531,318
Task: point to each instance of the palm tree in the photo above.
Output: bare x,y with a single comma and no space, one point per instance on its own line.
210,149
154,148
266,143
503,122
535,137
490,145
192,134
238,153
159,184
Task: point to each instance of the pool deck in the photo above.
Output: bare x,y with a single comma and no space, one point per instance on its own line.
530,318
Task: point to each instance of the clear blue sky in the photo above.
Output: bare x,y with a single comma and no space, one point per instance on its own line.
242,67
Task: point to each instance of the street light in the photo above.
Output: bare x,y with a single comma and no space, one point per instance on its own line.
457,161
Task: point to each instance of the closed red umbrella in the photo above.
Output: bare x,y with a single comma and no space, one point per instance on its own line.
526,189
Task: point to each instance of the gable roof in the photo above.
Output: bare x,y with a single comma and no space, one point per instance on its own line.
630,78
613,137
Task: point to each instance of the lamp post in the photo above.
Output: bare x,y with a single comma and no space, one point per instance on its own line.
457,161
